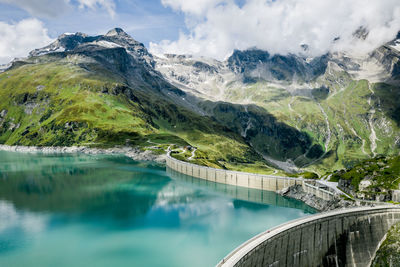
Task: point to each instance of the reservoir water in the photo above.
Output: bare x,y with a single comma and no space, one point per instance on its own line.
98,210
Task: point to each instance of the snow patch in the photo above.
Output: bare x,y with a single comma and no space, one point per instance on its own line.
4,67
105,44
396,45
50,50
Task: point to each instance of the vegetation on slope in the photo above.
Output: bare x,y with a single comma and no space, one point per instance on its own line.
53,104
347,120
317,117
371,177
388,254
57,103
263,131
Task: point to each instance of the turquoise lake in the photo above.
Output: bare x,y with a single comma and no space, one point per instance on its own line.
98,210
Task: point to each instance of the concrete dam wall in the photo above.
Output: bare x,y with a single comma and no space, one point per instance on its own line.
348,237
244,179
241,193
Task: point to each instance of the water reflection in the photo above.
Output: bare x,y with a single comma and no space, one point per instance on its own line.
81,185
243,196
77,210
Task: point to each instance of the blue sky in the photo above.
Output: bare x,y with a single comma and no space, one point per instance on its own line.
145,20
212,28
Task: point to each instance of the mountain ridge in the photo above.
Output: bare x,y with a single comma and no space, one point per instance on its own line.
288,109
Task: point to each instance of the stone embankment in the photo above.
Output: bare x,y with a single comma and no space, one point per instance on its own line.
312,200
131,152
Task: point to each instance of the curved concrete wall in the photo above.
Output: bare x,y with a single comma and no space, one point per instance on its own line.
244,179
242,193
347,237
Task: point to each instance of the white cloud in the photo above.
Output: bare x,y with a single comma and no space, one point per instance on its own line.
53,8
16,40
40,8
108,5
281,26
194,7
10,218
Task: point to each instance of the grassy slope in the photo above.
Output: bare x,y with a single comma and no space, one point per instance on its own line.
348,108
350,113
43,98
61,104
383,172
388,253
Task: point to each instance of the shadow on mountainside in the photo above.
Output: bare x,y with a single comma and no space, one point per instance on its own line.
389,97
264,132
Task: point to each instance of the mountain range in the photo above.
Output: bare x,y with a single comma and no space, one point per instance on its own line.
253,111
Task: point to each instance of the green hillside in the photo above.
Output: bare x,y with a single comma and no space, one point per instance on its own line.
348,124
252,112
379,176
56,103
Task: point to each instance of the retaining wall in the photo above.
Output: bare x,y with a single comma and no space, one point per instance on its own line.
347,237
242,193
317,191
244,179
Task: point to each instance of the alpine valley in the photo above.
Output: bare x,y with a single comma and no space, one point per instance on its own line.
254,111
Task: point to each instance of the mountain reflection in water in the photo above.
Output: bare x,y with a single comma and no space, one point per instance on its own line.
97,210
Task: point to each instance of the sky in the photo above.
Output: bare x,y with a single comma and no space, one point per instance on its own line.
212,28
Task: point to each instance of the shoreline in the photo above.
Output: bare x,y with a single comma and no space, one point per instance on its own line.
136,154
294,188
130,152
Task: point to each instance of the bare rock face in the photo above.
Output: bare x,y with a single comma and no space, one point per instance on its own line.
65,42
297,192
257,64
3,113
80,42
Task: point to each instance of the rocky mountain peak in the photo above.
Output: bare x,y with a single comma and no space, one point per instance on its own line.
116,32
72,35
65,42
361,33
256,64
134,48
114,38
120,37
